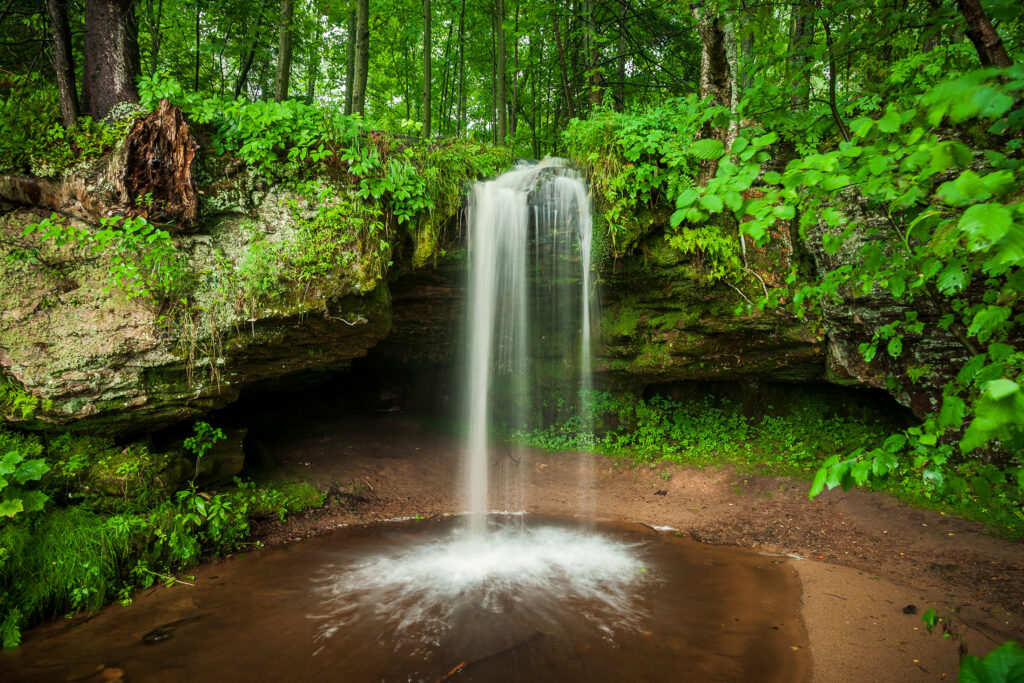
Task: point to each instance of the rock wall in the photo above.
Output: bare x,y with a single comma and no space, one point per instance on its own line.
99,360
659,324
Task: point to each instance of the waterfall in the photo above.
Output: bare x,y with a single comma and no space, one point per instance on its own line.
532,223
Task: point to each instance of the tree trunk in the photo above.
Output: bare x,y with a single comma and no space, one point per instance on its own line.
500,103
513,114
199,14
350,64
620,100
111,56
314,58
801,35
155,34
63,61
715,78
729,34
981,32
362,61
593,54
284,51
832,82
427,94
445,110
461,107
243,73
567,92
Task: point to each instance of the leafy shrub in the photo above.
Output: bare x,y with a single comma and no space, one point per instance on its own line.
39,143
143,258
20,466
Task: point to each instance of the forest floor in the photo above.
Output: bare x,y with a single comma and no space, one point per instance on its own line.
868,564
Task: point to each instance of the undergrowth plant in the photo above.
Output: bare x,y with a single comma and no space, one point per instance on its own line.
791,440
78,547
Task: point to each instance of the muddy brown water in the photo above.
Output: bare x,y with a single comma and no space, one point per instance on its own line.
407,601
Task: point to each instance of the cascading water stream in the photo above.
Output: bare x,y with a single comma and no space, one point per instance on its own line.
546,203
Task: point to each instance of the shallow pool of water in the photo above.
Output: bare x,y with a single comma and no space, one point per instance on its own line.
537,600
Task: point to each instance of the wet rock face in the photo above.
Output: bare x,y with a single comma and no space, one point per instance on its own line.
100,361
660,325
854,321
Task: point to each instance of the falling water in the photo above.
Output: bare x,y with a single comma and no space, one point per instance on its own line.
512,329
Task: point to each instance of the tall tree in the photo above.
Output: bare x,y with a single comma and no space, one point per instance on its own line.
154,19
199,16
500,104
983,35
111,62
362,56
313,68
566,88
63,60
593,54
801,34
250,55
715,77
284,51
620,99
426,69
460,113
350,63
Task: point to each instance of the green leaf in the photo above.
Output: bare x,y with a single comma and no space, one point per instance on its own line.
766,139
10,507
929,619
33,501
711,203
985,224
30,470
686,198
952,279
1001,388
707,148
1005,664
677,217
784,211
953,411
10,461
988,322
862,126
819,482
861,471
733,200
890,123
895,347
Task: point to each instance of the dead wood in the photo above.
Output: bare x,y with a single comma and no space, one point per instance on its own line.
155,179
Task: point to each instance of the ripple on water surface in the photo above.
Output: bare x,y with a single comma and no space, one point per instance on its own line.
538,600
